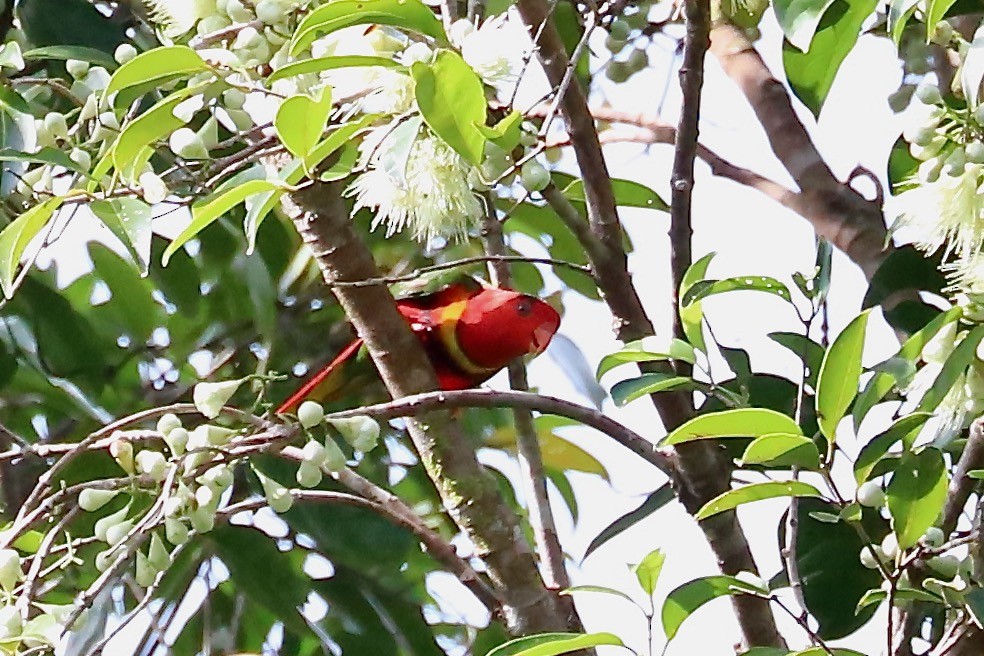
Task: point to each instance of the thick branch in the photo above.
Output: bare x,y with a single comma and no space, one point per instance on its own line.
469,492
961,486
841,215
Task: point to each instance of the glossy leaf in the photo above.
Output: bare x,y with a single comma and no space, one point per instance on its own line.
799,19
882,382
656,500
684,600
692,315
46,155
743,422
410,15
80,53
551,644
705,288
130,220
805,349
600,589
903,430
17,235
916,494
318,64
628,193
782,450
812,73
629,390
452,101
875,597
204,214
839,375
300,122
935,11
648,349
647,572
154,67
954,367
756,492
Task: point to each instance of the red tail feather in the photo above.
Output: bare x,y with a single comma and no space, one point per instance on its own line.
310,389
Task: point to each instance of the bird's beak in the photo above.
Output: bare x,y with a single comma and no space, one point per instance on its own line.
542,335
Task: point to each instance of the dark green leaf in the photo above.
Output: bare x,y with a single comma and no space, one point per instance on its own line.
683,601
701,290
46,155
130,220
81,53
903,430
905,268
628,193
550,644
653,502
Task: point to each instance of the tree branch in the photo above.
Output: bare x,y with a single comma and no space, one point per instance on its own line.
840,214
468,491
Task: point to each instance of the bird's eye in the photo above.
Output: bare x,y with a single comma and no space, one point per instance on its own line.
524,308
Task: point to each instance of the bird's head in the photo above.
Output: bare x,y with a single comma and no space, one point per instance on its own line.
499,325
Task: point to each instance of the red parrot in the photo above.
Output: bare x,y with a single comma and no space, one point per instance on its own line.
469,331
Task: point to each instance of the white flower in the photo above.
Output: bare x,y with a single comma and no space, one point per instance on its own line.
176,17
423,188
949,213
210,397
495,50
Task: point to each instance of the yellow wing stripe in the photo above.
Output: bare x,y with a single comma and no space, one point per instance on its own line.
447,321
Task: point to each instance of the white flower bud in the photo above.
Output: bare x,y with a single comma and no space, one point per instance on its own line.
11,56
122,451
175,531
975,152
308,474
946,566
868,560
90,109
77,68
459,30
124,53
176,440
10,569
186,109
11,624
158,554
928,94
534,176
91,500
55,124
81,157
145,571
219,478
233,98
202,519
314,453
272,12
890,546
205,496
310,413
416,52
173,506
211,24
210,397
871,494
335,460
277,496
248,38
358,431
152,463
237,12
186,144
117,532
101,529
152,188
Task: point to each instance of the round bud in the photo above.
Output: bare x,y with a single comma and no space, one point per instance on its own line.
124,53
871,560
81,157
310,413
946,566
117,532
308,475
55,124
177,440
238,12
77,68
617,71
271,12
619,30
11,623
975,152
104,559
871,494
890,546
10,569
202,519
933,537
152,188
942,33
928,94
186,144
638,59
152,463
233,98
91,500
175,531
614,45
534,176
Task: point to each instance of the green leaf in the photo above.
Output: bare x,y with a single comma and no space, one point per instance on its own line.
300,122
13,102
743,422
692,315
811,74
916,494
799,19
15,238
155,67
203,214
684,600
782,450
550,644
976,474
628,193
134,145
906,268
884,379
599,589
903,430
805,349
130,220
656,500
558,453
954,367
647,349
839,376
701,290
629,390
319,64
452,101
876,596
506,133
935,11
46,155
832,578
755,492
411,15
81,53
647,572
